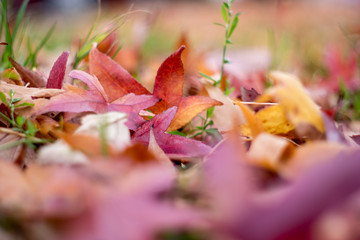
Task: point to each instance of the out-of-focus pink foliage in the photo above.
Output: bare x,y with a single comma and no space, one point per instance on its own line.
340,68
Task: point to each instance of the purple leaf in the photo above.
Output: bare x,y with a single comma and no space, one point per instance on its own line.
226,179
173,145
331,131
57,72
179,147
159,123
248,95
356,139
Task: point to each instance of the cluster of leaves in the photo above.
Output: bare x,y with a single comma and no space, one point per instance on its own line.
275,161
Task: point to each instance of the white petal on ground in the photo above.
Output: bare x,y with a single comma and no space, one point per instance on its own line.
60,152
116,132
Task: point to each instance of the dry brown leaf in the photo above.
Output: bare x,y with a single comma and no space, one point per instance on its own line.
28,76
270,151
227,116
61,191
17,154
36,96
47,126
308,156
89,145
16,195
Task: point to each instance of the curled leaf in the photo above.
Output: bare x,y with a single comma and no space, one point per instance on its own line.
28,76
297,105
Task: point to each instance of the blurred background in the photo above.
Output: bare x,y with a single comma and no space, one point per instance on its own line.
290,35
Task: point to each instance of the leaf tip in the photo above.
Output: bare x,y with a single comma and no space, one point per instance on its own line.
181,49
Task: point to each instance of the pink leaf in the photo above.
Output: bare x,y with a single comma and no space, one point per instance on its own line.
320,189
95,99
226,174
173,145
134,211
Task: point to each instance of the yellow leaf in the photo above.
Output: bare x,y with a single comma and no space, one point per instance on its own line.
271,119
274,120
297,105
253,123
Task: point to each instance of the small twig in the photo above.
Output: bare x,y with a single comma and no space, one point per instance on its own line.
10,131
261,104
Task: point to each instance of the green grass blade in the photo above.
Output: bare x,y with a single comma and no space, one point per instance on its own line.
117,51
20,17
207,77
7,119
28,44
104,140
8,48
32,55
177,133
45,39
84,51
11,144
1,19
92,29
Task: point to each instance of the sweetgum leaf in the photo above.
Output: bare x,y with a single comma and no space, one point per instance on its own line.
116,81
173,145
189,107
95,99
169,82
169,88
